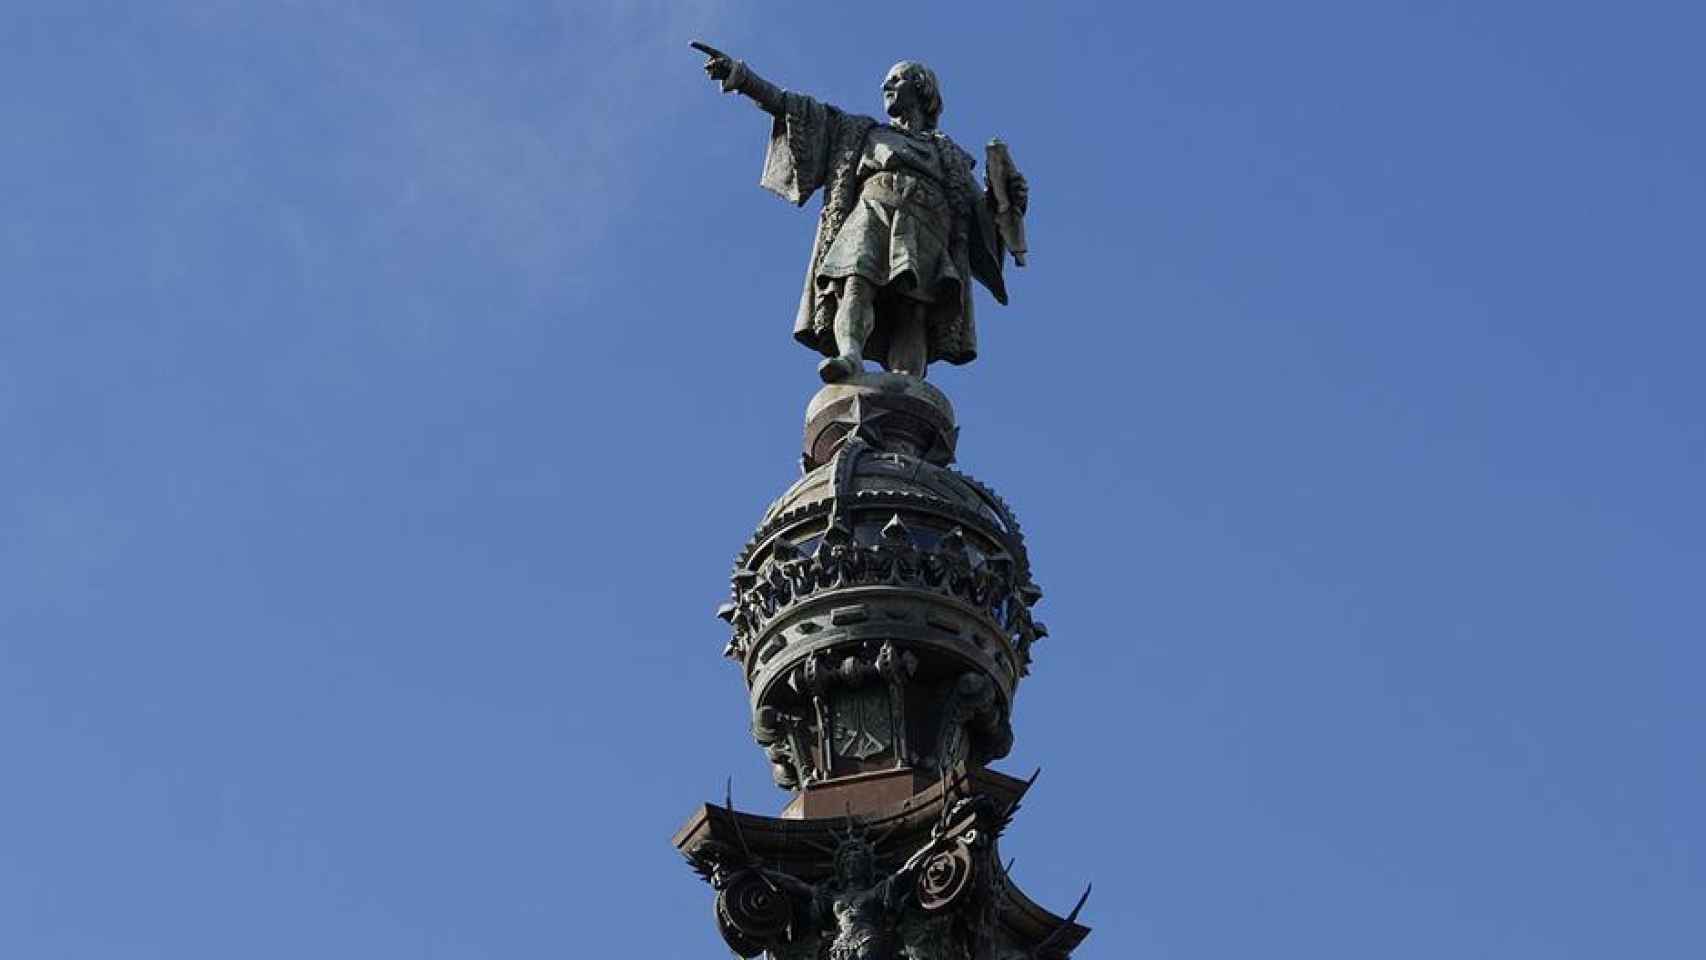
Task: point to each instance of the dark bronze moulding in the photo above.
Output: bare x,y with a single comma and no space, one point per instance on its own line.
803,847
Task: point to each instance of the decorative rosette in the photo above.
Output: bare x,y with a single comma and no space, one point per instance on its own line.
755,908
944,878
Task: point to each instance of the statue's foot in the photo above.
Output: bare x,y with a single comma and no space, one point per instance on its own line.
837,369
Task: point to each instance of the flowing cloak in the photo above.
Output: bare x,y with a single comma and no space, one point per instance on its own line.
814,145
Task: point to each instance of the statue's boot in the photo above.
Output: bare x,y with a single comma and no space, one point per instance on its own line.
837,369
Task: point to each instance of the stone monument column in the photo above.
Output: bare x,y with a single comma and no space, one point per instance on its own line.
881,615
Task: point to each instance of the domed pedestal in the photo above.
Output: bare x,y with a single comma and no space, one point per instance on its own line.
889,411
881,612
881,619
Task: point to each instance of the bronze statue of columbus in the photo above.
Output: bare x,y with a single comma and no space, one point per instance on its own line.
905,226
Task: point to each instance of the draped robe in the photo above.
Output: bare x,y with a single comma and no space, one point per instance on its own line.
813,146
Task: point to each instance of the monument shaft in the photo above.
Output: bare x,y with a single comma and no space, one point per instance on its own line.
882,613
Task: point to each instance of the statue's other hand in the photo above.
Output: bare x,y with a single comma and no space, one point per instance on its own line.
718,65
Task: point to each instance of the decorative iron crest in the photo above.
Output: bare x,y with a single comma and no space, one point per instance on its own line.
948,568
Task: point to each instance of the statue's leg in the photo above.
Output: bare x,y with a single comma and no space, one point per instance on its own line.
855,314
909,343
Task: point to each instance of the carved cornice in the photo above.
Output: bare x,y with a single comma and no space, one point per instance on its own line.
804,850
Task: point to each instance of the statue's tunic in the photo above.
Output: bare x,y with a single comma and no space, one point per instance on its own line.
900,230
900,209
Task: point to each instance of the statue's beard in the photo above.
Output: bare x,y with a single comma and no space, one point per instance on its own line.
900,109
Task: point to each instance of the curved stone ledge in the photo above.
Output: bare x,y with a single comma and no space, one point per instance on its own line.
940,625
896,570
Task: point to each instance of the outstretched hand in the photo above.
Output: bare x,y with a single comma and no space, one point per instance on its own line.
718,65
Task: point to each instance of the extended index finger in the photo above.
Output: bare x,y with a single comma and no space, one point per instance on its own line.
707,49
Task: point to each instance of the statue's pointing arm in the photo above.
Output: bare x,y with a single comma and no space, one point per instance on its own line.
736,77
805,134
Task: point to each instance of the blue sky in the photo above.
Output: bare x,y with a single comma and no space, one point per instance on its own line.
385,389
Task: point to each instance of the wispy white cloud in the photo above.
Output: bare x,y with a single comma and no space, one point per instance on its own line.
530,164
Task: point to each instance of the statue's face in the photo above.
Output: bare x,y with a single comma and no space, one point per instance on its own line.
856,865
900,91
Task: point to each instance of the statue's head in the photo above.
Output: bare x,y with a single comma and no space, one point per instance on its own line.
911,88
855,863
